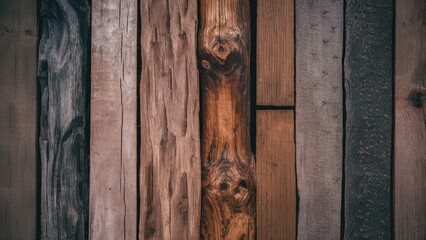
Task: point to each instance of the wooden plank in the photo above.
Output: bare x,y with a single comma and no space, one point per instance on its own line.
275,52
410,119
276,175
113,149
319,117
18,106
63,140
228,180
368,67
170,173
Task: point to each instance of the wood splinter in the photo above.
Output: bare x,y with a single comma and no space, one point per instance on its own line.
228,182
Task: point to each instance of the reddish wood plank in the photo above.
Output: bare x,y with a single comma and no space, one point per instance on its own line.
276,175
410,119
275,52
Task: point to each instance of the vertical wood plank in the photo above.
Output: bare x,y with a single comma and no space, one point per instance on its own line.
410,119
113,149
62,74
18,106
319,117
275,52
170,174
275,171
368,84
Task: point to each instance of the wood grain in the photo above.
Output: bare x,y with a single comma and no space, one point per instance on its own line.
319,117
18,106
410,120
113,148
63,76
228,182
276,175
275,52
170,173
368,68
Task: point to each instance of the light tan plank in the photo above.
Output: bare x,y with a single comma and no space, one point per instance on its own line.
410,119
170,173
276,175
18,106
275,52
113,153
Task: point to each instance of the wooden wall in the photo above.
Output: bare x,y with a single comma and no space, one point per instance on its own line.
338,127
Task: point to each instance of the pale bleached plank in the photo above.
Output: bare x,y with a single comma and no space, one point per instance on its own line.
113,149
276,175
275,52
18,107
319,117
170,173
410,119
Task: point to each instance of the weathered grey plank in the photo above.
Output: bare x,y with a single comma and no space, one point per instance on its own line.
62,74
319,117
170,173
113,148
276,175
275,52
368,84
410,120
18,40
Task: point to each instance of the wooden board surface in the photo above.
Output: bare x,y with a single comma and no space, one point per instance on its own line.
319,117
170,173
275,52
368,68
275,171
63,76
410,119
113,149
18,64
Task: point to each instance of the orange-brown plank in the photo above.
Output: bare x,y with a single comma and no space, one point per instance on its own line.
410,118
275,52
276,178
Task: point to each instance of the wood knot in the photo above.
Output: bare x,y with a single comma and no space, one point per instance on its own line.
205,64
416,98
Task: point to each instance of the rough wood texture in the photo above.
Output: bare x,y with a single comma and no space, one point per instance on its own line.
319,117
170,173
410,120
368,85
18,40
228,201
113,149
62,74
275,52
276,176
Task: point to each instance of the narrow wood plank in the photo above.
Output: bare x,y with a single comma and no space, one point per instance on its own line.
18,106
410,119
228,179
170,174
368,84
275,52
113,149
319,117
63,140
276,175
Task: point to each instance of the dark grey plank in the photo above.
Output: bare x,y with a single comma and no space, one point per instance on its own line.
368,84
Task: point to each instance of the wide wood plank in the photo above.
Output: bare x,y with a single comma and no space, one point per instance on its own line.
63,76
113,149
319,117
410,119
368,68
170,173
276,175
275,52
18,106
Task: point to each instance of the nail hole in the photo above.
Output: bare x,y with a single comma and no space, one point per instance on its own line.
223,186
243,184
